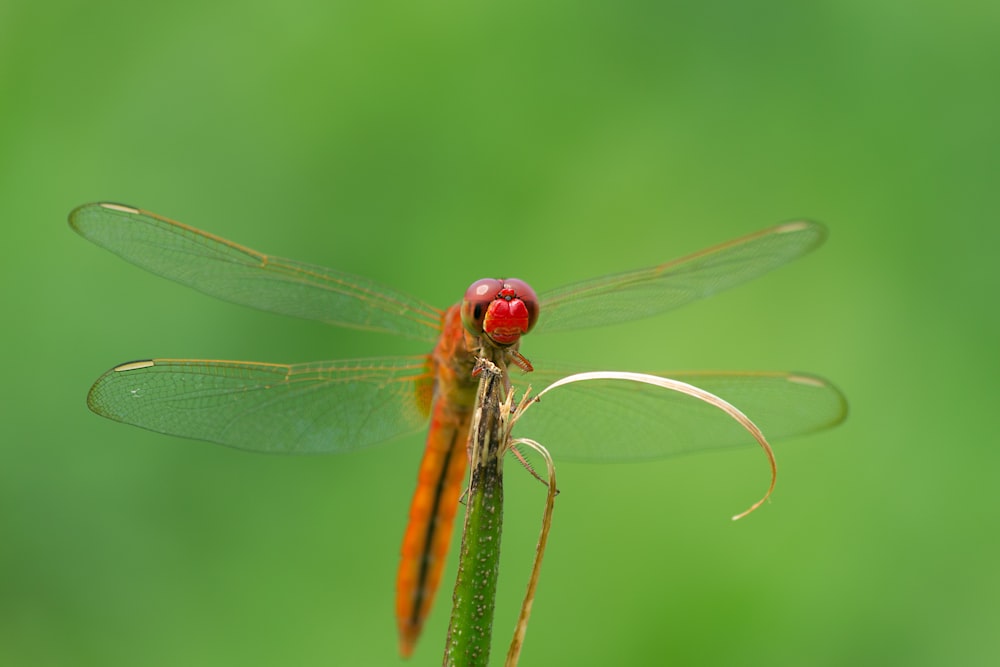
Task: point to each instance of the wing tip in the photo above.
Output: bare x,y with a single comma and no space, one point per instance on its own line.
123,208
813,227
818,382
76,216
133,365
803,378
94,402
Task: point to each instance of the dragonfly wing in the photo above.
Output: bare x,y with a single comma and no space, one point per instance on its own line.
617,421
234,273
304,408
629,296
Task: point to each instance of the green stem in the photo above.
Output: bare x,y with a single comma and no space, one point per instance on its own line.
471,626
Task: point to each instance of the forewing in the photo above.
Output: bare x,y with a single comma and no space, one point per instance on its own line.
234,273
629,296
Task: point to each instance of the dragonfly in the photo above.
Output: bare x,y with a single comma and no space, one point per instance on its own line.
344,405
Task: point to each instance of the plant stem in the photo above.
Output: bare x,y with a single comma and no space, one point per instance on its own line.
471,626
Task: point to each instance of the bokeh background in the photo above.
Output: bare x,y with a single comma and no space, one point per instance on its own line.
428,144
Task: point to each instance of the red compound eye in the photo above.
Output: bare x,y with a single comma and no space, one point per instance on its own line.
519,291
504,310
477,300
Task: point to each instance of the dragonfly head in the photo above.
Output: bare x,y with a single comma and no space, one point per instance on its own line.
504,310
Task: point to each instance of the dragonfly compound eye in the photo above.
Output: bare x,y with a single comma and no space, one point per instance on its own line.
512,312
477,300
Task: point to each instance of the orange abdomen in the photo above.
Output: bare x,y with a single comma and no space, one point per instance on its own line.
439,482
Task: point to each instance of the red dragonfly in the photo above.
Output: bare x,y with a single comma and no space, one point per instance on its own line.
337,406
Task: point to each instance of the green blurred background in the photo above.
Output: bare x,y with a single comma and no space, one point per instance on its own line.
428,144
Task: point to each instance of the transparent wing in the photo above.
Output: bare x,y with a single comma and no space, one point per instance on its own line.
610,421
637,294
234,273
304,408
